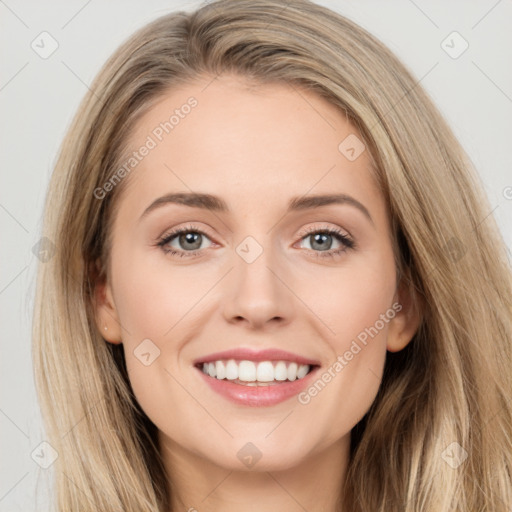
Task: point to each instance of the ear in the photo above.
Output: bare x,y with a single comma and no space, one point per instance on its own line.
407,320
105,312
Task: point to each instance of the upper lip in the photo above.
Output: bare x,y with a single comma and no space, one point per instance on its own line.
247,354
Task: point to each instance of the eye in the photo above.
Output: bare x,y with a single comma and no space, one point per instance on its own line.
187,240
321,241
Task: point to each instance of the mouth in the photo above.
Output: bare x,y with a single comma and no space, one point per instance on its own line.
262,378
255,373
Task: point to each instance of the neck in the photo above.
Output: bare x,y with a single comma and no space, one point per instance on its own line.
198,484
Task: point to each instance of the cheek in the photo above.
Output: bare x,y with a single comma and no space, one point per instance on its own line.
352,299
347,385
356,304
152,307
159,308
152,297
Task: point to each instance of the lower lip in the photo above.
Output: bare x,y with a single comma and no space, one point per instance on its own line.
258,396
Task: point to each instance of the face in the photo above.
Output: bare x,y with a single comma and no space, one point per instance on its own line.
291,301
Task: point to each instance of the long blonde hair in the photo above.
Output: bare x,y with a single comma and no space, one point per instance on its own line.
451,384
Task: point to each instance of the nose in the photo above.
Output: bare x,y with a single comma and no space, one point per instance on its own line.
257,293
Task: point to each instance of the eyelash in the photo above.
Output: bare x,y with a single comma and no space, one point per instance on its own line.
347,242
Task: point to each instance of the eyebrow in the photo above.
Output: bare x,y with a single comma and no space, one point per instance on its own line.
216,204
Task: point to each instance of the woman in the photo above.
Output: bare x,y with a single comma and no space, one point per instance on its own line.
338,335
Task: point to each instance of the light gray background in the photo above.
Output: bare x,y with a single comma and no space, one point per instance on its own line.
38,98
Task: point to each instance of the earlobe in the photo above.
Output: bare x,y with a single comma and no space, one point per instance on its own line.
107,320
406,322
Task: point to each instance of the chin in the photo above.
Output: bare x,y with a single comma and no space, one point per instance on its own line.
258,454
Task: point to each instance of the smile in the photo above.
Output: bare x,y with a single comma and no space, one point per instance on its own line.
252,373
259,378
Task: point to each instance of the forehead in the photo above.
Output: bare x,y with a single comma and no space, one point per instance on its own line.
231,138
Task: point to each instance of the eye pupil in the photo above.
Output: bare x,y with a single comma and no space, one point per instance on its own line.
320,239
191,238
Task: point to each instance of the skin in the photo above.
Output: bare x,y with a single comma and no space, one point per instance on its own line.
252,147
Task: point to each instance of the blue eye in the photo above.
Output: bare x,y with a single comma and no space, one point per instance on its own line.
190,240
322,240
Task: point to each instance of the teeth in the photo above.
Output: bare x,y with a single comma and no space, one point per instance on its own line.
250,372
280,371
247,371
221,370
265,372
302,371
292,371
231,370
